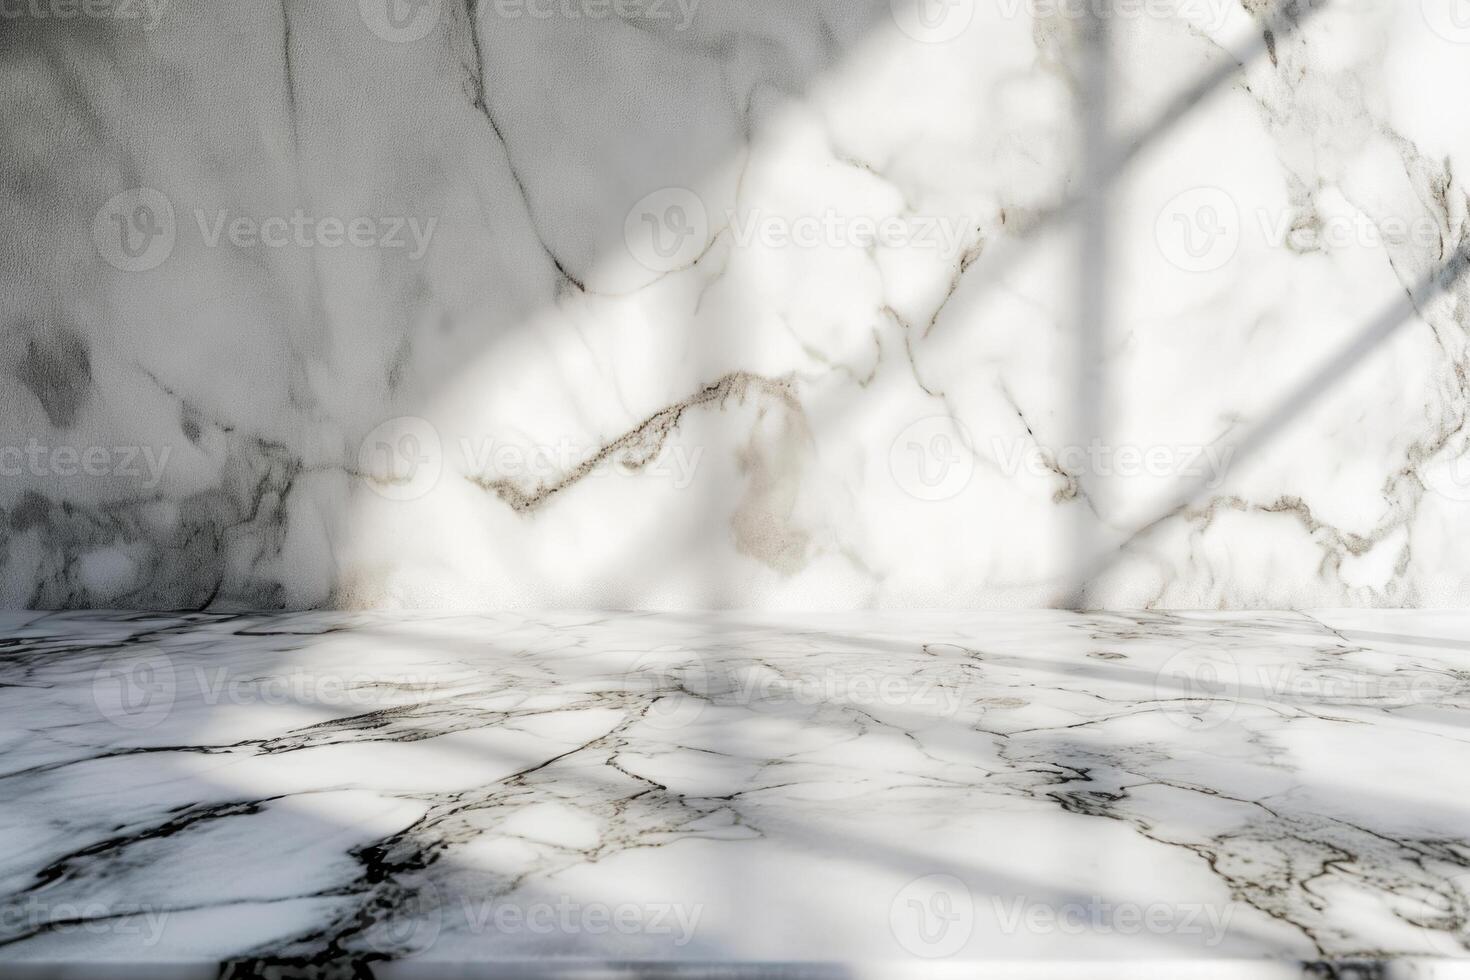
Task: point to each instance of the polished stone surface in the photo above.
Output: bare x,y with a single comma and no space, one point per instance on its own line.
925,794
735,303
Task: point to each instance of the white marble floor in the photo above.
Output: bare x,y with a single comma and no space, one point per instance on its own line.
946,794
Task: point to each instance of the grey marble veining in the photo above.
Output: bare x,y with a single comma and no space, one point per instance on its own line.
723,303
882,795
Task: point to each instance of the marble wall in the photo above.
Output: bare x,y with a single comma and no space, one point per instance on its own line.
691,303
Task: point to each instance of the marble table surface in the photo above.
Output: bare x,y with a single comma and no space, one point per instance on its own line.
845,795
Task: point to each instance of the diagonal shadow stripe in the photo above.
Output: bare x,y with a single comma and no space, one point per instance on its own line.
1389,321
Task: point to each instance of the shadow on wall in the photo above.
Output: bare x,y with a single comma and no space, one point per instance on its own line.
232,377
388,304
